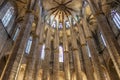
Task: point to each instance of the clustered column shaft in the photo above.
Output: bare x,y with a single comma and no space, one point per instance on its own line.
87,61
77,64
29,74
46,65
66,57
39,50
19,47
56,57
112,44
95,61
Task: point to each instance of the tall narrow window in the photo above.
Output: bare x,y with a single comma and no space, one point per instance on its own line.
7,17
54,24
43,52
116,18
60,54
103,39
60,25
89,54
67,24
74,22
29,43
16,34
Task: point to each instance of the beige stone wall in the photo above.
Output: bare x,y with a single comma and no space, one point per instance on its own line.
3,36
5,33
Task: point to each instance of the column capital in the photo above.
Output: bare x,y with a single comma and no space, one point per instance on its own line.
47,48
89,37
56,50
74,49
40,43
98,13
83,44
31,11
35,35
66,51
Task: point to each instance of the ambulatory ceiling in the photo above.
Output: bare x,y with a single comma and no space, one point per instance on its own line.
61,10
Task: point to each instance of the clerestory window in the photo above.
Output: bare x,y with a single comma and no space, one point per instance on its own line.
103,40
29,44
116,18
7,17
43,52
16,34
60,54
88,50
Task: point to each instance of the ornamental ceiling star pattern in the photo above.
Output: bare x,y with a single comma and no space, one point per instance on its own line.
60,11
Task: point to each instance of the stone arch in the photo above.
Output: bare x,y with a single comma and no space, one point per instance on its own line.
84,76
105,73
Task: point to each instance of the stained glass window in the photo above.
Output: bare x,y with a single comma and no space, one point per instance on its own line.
67,24
89,54
16,34
60,54
103,39
29,44
43,52
116,18
7,17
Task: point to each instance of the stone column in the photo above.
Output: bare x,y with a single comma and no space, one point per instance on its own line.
40,34
18,49
67,66
93,51
29,73
15,59
46,65
39,50
66,57
56,56
87,61
112,44
38,61
76,58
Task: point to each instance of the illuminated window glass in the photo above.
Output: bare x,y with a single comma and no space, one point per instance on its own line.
103,39
116,18
54,24
74,22
67,24
60,25
60,54
89,54
16,34
43,52
7,17
29,44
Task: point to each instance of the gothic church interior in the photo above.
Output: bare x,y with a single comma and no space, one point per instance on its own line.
59,40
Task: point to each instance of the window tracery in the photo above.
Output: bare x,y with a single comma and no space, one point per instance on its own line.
7,17
116,18
28,46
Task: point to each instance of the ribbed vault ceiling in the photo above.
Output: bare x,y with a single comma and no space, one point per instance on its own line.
61,11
